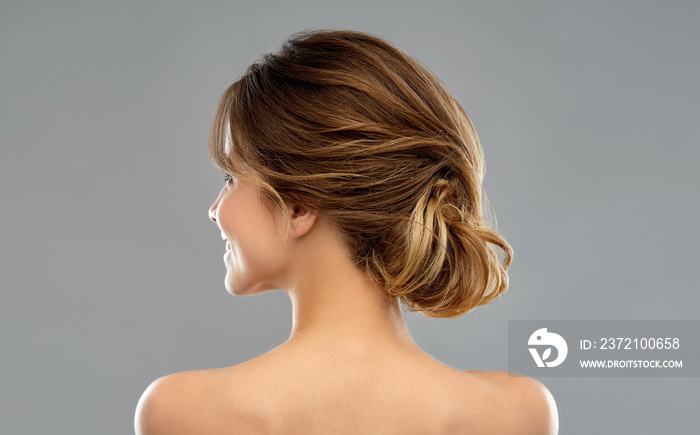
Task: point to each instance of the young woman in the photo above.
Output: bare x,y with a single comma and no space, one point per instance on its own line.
353,183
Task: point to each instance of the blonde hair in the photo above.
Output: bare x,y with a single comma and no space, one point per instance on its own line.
353,128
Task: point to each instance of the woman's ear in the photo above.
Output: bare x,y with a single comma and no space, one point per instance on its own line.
301,219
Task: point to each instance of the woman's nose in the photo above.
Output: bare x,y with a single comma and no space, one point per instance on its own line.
212,210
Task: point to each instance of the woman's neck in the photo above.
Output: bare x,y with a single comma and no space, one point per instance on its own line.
335,303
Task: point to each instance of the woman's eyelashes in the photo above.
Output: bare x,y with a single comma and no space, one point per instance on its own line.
228,178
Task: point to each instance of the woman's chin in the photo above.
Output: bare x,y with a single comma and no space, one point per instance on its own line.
246,290
237,290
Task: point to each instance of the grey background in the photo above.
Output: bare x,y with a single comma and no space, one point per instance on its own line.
112,273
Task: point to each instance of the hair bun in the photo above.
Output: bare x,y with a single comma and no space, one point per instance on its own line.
447,266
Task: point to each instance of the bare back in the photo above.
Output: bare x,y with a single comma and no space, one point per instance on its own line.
291,392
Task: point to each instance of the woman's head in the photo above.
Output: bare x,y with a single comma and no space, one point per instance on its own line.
354,129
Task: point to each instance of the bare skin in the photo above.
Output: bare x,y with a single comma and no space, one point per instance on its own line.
349,365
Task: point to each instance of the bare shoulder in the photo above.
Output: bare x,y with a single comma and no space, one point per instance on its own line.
531,408
186,403
165,406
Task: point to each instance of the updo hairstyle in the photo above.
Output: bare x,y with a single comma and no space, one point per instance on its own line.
354,129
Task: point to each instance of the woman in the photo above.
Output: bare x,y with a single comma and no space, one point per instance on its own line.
353,183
